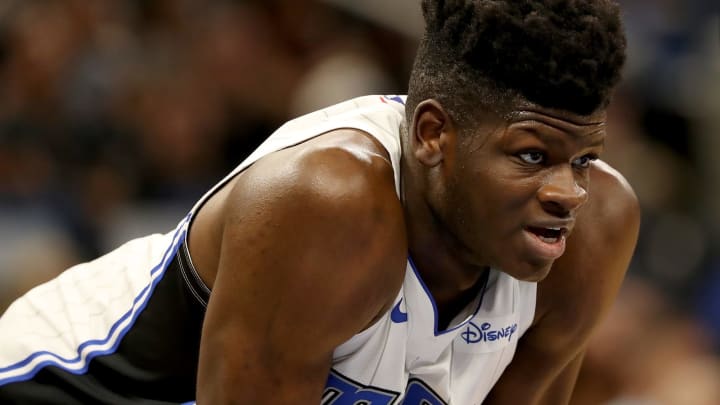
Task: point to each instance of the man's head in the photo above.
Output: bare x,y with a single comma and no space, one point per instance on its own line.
491,54
506,112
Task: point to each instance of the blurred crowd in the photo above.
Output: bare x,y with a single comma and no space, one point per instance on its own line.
116,116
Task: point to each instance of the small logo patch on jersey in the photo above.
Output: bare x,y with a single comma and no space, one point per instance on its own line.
397,315
393,97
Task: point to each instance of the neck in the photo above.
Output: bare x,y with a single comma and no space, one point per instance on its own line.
436,254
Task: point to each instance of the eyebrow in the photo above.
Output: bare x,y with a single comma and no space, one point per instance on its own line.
564,124
577,132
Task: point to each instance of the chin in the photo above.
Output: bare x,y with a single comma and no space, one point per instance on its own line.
532,272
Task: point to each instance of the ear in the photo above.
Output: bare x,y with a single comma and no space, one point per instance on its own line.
432,132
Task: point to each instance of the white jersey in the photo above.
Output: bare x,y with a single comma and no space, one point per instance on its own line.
403,358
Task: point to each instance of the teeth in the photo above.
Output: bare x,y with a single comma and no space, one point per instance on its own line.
550,234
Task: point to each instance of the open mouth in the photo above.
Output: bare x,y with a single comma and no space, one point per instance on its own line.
548,235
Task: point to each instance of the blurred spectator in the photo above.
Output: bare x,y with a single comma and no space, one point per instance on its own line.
110,111
647,352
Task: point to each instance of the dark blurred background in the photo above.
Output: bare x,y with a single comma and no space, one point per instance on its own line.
115,116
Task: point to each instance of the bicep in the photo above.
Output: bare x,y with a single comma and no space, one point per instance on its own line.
266,331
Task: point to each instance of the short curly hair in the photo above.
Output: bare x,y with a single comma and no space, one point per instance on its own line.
563,54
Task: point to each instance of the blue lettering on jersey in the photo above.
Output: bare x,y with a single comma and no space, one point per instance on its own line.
340,390
418,393
485,333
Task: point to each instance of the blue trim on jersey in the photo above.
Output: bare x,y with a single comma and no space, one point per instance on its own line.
133,312
434,305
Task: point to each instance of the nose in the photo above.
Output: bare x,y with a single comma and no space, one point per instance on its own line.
561,195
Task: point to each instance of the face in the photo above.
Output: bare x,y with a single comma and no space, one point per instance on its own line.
513,189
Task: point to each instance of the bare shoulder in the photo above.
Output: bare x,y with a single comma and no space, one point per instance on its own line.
583,283
612,198
330,203
342,181
311,251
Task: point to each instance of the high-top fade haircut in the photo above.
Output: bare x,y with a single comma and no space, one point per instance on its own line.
494,54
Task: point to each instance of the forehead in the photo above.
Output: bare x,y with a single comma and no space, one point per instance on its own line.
557,122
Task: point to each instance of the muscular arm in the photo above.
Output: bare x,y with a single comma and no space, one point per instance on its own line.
310,255
574,297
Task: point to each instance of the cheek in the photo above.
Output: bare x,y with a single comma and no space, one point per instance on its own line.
508,191
492,192
489,207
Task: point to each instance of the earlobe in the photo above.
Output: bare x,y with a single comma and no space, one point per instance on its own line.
431,125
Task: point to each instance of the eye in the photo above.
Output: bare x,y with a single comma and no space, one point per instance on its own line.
532,157
583,162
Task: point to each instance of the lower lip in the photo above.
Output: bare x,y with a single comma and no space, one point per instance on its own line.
545,250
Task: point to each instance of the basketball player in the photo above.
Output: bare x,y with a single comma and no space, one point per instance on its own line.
457,246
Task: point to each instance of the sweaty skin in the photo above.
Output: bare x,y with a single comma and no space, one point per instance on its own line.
303,250
480,192
576,294
308,246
